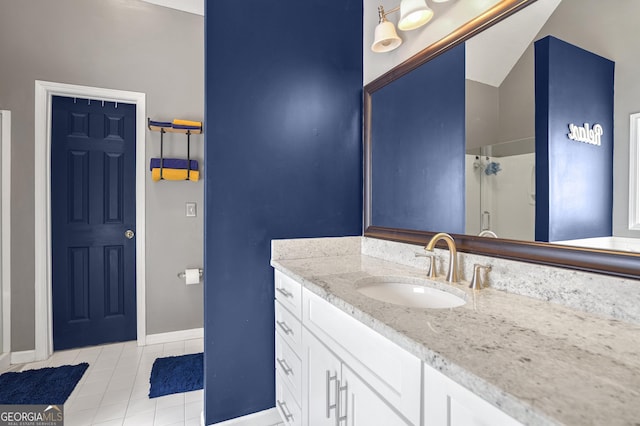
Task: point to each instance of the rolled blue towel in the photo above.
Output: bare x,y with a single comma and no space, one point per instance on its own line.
172,163
160,123
185,127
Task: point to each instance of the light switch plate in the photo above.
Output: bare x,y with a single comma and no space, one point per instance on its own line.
190,209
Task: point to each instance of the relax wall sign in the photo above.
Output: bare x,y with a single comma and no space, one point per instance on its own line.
586,133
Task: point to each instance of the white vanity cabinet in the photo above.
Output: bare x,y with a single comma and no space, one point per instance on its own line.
332,369
446,403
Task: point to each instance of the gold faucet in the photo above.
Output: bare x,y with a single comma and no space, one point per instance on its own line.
452,275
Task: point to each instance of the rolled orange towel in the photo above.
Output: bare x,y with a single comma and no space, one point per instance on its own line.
187,123
174,174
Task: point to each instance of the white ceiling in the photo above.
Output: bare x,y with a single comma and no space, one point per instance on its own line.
192,6
492,54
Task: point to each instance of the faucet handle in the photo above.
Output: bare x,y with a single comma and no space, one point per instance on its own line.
476,280
432,263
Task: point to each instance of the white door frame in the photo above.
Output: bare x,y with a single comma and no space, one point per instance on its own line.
44,91
5,223
634,172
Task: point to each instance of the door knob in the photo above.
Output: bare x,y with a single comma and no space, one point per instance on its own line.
129,234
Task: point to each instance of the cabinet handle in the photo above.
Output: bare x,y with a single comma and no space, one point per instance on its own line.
285,411
285,367
284,292
339,389
331,378
283,325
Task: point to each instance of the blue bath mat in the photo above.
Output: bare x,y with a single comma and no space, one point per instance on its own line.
51,385
176,374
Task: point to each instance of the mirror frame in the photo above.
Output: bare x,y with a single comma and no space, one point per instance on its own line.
609,262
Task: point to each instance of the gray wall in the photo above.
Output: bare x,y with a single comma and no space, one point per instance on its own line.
481,115
517,101
116,44
496,115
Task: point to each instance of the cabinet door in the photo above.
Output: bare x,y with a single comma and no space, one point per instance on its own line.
393,372
446,403
362,406
321,375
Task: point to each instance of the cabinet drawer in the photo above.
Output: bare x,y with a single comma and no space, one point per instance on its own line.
286,404
289,366
289,293
392,371
288,326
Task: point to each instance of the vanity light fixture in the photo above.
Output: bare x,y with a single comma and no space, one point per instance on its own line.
413,14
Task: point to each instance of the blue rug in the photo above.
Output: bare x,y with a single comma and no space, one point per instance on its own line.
176,374
51,385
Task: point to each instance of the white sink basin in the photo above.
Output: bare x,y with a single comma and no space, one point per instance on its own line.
411,292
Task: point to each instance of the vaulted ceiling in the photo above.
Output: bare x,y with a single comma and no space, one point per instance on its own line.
492,54
191,6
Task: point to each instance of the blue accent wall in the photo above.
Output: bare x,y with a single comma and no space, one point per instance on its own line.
283,159
418,148
574,180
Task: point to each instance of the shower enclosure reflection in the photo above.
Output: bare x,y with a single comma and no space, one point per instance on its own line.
500,191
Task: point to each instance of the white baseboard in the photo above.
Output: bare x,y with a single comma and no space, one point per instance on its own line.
23,357
5,359
174,336
269,417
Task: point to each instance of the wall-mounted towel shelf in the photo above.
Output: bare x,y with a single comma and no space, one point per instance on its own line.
171,168
174,130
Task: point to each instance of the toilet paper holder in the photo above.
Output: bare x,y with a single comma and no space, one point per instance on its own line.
182,274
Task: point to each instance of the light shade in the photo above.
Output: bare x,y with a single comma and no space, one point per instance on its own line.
385,38
414,14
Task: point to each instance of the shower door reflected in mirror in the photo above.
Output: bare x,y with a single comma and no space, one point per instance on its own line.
500,191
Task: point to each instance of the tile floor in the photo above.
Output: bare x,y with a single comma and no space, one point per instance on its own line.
114,390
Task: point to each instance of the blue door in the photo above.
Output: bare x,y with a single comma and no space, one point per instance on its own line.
92,222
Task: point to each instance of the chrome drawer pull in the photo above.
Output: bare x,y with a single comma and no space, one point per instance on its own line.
339,389
284,292
330,378
283,325
285,411
285,367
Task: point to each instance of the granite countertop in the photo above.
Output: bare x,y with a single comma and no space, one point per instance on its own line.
539,362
